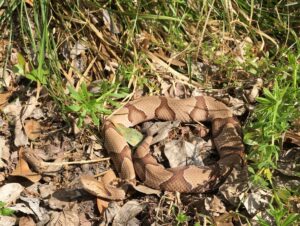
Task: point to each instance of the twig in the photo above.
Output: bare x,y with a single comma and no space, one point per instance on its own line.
76,162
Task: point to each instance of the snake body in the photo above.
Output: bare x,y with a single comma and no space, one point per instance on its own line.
226,134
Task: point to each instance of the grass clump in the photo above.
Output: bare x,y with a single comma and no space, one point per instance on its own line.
273,116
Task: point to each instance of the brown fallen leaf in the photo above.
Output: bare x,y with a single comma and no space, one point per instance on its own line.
102,205
146,190
103,186
22,169
40,166
32,129
4,98
26,221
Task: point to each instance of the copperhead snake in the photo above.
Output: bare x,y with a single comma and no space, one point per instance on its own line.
226,134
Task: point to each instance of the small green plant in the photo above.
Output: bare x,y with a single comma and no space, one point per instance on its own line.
37,75
182,218
86,103
280,214
4,211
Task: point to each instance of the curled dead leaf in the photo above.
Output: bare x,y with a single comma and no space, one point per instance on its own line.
103,188
40,166
22,169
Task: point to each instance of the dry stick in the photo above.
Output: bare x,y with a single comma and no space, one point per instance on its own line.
175,73
100,36
82,78
77,162
101,174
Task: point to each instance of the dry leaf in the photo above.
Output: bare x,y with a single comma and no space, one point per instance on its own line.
22,169
38,165
35,206
77,49
63,198
65,218
21,113
237,106
182,153
4,98
4,152
7,221
9,193
126,215
254,92
21,207
32,129
235,186
28,108
215,206
98,188
15,109
146,190
26,221
131,135
257,200
292,137
159,129
224,220
110,212
102,205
